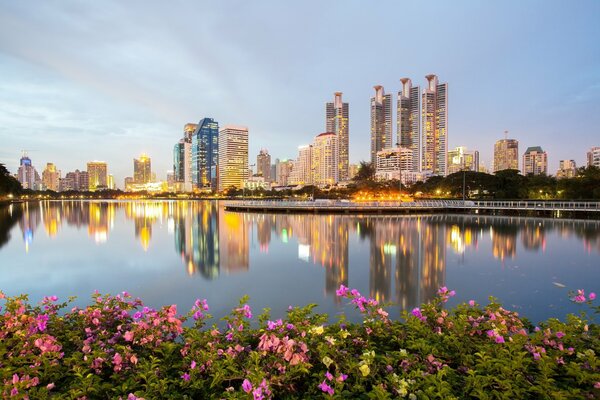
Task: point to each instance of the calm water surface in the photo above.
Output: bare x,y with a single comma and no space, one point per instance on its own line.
176,251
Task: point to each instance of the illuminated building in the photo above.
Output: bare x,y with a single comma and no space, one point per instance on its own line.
566,169
142,169
27,175
111,182
381,122
391,162
283,170
461,159
506,154
233,157
302,173
325,159
535,161
263,164
182,160
409,134
50,177
352,170
337,121
593,157
97,175
205,154
434,127
76,180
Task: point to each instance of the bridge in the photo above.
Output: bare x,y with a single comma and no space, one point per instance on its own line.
529,207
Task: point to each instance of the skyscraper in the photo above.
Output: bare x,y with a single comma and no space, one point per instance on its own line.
27,174
593,157
506,154
233,156
461,159
142,169
205,154
381,122
535,161
302,173
325,159
337,121
566,169
434,115
97,175
392,163
50,177
263,164
409,134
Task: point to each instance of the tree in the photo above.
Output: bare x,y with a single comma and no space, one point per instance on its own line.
366,172
8,184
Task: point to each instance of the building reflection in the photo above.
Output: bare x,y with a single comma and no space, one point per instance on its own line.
144,215
29,222
9,216
101,217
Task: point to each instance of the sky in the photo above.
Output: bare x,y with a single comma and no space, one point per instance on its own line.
109,80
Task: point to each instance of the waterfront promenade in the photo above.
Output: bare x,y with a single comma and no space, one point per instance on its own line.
529,207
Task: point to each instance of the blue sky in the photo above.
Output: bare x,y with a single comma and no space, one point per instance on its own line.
108,80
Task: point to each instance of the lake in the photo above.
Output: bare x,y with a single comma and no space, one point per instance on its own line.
176,251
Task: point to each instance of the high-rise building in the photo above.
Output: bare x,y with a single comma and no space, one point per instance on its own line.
535,161
263,164
77,180
205,155
50,177
27,174
593,157
566,169
352,171
392,162
233,156
409,133
142,169
325,159
111,182
506,154
461,159
97,175
302,173
337,116
284,169
381,122
434,126
182,160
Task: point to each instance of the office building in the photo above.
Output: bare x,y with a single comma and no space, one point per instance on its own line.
392,162
535,161
97,175
233,157
50,177
27,174
263,164
506,154
381,122
461,159
302,173
337,121
566,169
205,154
408,121
142,170
434,127
283,171
593,157
325,159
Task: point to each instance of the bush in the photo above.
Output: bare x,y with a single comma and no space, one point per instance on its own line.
118,348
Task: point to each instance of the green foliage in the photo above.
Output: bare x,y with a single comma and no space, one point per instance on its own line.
8,183
118,348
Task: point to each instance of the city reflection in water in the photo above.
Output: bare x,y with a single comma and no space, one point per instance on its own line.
407,255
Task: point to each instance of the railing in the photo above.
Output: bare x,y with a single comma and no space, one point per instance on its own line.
424,204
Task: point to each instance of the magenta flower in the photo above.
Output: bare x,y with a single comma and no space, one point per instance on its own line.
592,296
560,334
342,377
499,339
328,375
41,321
185,377
247,386
472,303
326,388
193,365
342,291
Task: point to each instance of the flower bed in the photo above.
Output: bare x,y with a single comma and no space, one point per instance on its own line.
118,348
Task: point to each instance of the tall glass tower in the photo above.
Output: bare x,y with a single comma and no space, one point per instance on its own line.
336,121
409,133
434,116
381,122
205,154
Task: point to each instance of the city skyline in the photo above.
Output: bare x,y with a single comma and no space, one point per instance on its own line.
58,96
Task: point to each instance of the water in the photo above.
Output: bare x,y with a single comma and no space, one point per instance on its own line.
176,251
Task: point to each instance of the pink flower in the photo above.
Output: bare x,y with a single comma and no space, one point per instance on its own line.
472,303
342,291
499,339
342,377
247,386
50,386
117,359
592,296
326,388
128,336
560,334
193,365
185,377
597,385
328,375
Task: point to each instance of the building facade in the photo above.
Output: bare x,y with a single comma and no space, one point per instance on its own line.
233,157
593,157
506,154
462,159
408,121
97,175
302,173
566,169
325,159
392,162
434,127
27,174
535,161
205,155
381,122
283,171
337,118
50,177
263,164
142,169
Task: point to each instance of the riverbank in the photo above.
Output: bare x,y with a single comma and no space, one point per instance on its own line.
116,347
